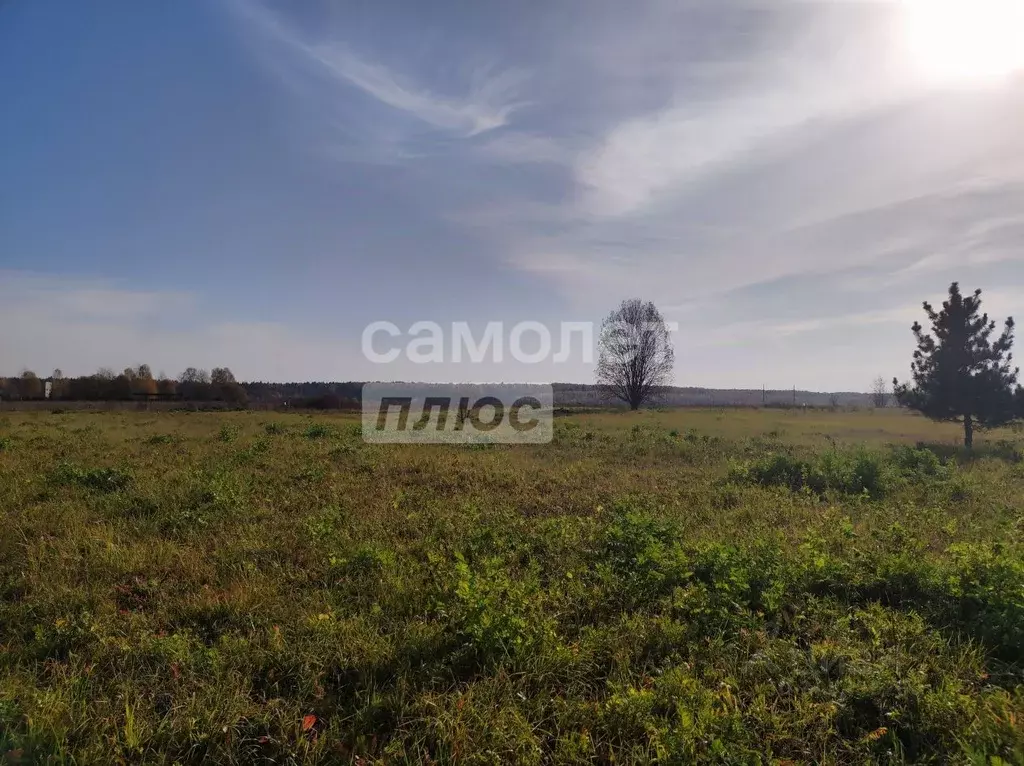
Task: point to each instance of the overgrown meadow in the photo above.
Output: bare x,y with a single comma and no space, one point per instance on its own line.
664,587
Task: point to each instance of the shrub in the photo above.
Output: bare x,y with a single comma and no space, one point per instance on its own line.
498,614
854,473
986,585
228,433
99,479
318,431
775,470
917,462
848,472
1008,450
641,553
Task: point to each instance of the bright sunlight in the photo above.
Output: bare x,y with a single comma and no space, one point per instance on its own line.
965,39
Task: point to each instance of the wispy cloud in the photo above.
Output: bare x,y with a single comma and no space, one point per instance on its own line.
487,100
524,148
643,157
747,108
758,332
487,106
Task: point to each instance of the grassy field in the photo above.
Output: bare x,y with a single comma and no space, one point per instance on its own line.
674,587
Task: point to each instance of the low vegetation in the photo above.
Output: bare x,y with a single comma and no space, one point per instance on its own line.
659,587
874,473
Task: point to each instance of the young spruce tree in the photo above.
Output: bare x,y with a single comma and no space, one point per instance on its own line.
959,373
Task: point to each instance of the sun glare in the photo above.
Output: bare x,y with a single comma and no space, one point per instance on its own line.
965,39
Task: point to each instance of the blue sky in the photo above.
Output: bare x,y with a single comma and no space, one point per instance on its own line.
244,183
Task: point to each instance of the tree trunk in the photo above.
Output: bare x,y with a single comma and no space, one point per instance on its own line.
968,432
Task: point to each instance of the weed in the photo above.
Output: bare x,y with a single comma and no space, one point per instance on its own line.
99,479
318,431
228,433
861,471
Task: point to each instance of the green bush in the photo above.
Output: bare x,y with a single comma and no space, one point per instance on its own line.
318,431
498,614
641,553
99,479
918,463
228,433
872,473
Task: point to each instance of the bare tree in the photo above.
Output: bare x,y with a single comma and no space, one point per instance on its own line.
636,357
166,386
228,389
879,393
192,375
30,387
833,401
194,384
57,386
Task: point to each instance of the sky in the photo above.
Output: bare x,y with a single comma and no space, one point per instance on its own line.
248,183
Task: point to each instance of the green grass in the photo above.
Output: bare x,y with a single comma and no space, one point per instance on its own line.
673,587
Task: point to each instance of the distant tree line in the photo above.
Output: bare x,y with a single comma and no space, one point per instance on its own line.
198,385
193,384
318,395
